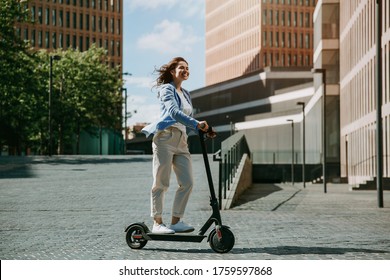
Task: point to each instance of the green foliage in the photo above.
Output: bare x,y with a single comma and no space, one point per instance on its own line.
86,91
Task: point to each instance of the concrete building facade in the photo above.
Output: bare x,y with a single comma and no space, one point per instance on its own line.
357,89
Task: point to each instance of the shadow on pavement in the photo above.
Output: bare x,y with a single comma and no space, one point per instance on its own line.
296,250
280,250
256,192
21,167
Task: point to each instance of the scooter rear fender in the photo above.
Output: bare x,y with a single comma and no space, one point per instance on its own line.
146,229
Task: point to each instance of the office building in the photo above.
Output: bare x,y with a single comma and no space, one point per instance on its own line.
243,37
77,24
358,91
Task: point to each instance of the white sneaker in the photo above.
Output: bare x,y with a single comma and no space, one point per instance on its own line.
181,227
162,229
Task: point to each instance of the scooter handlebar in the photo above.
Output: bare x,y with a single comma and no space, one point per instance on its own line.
210,133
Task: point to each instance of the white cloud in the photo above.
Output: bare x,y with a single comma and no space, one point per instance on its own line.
150,4
169,37
187,8
140,82
147,107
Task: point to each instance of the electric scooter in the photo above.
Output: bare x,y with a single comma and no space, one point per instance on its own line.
221,239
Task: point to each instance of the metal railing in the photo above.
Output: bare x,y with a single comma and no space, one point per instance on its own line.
229,157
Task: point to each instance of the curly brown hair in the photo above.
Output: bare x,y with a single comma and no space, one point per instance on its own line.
164,72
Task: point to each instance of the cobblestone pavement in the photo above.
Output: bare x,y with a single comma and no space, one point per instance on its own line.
78,207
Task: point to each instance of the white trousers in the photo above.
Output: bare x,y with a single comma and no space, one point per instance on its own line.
170,151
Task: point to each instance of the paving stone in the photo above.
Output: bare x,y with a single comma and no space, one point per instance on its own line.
77,207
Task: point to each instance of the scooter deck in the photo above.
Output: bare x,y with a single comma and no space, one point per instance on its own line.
175,237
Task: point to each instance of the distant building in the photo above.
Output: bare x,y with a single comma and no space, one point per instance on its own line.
77,24
243,37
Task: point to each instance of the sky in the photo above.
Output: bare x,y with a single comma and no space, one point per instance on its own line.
155,31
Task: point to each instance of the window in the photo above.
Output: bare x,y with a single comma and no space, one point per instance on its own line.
87,22
40,15
300,19
289,40
61,41
74,20
40,39
25,34
61,18
307,41
47,39
295,18
47,16
68,19
81,21
54,40
33,37
33,14
118,48
289,19
54,17
93,23
301,41
307,20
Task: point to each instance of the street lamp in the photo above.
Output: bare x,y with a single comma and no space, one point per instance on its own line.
379,127
323,73
52,57
292,151
125,90
303,143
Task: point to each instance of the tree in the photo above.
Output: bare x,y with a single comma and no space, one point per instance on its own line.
85,92
16,79
85,95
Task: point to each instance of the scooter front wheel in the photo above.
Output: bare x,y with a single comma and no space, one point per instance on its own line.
223,241
135,238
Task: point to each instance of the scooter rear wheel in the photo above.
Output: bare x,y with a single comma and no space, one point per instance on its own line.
224,243
134,237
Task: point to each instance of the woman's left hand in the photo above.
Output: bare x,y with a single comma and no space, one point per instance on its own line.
202,125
